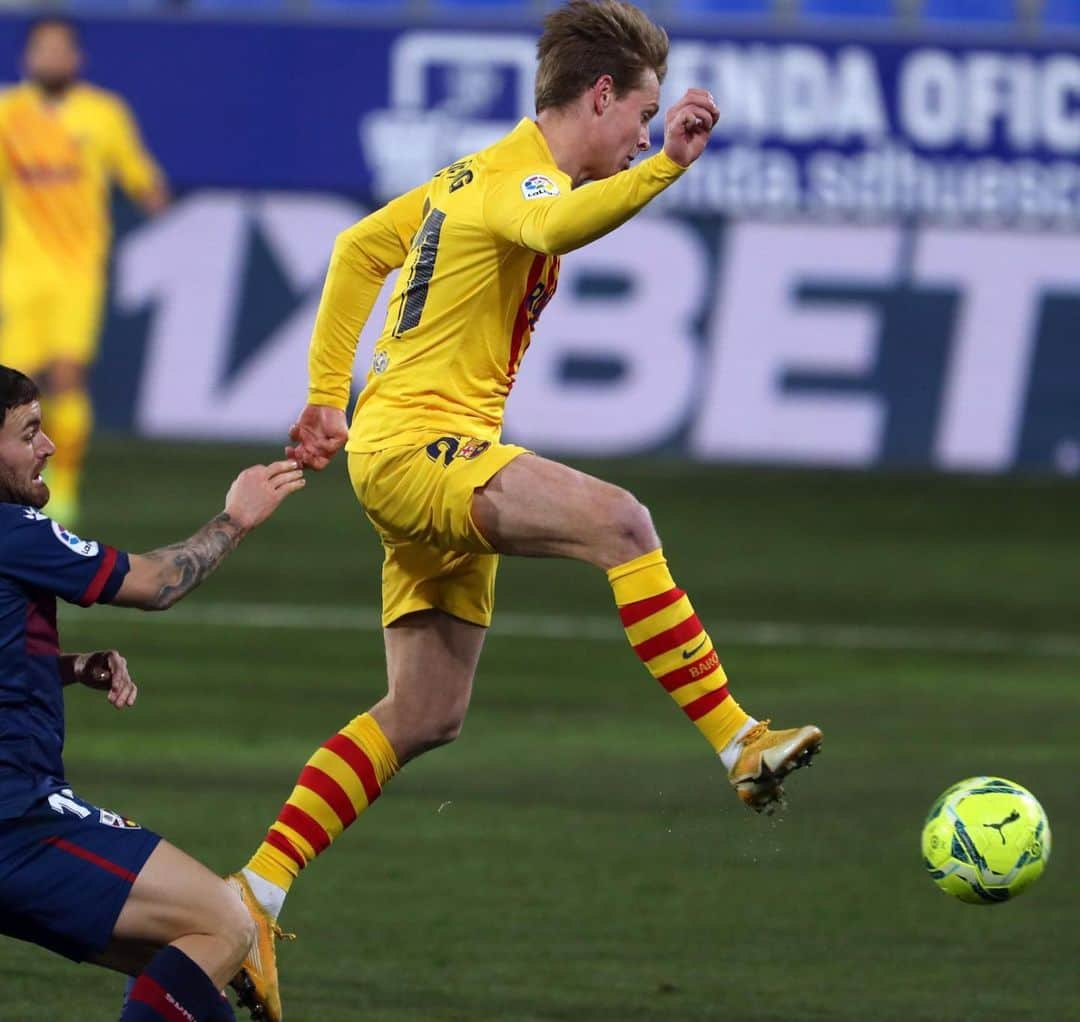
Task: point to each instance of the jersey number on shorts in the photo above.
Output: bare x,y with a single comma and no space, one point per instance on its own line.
445,448
415,295
63,801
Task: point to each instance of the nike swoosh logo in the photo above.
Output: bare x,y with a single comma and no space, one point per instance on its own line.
687,654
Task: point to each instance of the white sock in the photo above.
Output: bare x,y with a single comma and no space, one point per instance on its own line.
269,895
730,752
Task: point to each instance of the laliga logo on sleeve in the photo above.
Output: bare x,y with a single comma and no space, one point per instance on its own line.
84,548
536,186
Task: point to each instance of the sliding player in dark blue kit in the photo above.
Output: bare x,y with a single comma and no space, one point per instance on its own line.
76,879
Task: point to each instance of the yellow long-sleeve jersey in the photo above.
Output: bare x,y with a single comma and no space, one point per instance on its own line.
479,248
57,162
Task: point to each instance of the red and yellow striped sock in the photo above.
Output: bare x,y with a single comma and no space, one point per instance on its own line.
338,783
668,638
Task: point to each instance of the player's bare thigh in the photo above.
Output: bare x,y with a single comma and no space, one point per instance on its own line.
431,659
177,900
535,507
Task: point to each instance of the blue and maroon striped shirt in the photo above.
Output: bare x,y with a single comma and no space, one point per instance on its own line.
39,561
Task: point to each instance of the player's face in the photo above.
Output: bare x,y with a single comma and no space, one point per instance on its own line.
52,58
24,451
622,129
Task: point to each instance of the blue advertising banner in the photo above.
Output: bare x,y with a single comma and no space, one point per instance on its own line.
822,126
875,262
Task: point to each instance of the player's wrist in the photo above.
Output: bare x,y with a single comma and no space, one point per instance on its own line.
327,399
77,668
667,162
71,665
233,520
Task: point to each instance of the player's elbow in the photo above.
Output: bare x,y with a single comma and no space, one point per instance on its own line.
549,242
148,601
345,246
560,233
355,249
158,602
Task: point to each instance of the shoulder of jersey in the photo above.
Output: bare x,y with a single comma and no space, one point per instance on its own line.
11,513
95,95
506,158
13,516
10,94
502,152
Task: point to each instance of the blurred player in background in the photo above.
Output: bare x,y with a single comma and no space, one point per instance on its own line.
479,247
82,881
63,142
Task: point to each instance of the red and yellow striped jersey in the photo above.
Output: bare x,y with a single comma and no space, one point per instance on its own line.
57,162
479,248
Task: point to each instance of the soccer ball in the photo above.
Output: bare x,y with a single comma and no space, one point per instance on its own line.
985,840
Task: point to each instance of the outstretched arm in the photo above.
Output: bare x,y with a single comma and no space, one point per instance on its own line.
160,578
562,223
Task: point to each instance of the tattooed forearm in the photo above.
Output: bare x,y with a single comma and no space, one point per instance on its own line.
185,565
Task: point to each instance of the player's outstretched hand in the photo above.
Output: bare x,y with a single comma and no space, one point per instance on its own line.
319,433
107,671
688,124
257,492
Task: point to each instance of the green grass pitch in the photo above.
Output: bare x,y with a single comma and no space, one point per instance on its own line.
577,855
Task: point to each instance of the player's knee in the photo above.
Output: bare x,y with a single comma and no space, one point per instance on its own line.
235,929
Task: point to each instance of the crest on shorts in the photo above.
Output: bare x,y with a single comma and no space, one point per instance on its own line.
111,819
473,448
447,448
537,186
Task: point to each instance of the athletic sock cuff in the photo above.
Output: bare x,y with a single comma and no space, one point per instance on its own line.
365,731
180,977
641,578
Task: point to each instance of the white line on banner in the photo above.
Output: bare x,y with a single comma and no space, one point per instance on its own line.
570,627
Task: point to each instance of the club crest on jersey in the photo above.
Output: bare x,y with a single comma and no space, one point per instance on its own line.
473,448
82,547
536,186
379,362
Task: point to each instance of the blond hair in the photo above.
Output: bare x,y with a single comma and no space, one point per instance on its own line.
585,39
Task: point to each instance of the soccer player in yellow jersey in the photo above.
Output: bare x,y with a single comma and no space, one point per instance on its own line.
479,247
63,143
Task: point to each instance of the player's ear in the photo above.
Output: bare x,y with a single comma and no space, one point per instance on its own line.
603,93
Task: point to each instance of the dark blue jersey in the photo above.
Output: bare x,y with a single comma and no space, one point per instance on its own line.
39,561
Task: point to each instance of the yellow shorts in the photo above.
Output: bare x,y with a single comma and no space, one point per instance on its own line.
419,498
44,321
